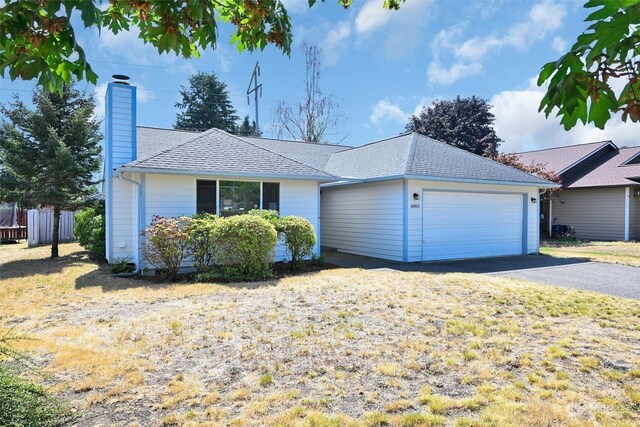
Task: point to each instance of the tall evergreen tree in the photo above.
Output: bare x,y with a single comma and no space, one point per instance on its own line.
247,128
205,104
465,123
51,153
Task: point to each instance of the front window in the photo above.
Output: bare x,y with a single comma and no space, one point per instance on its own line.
206,197
238,197
271,196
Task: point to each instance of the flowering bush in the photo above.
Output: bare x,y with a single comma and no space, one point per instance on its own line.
166,244
244,247
270,215
299,238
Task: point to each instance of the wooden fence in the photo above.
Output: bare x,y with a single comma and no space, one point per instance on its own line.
40,226
15,233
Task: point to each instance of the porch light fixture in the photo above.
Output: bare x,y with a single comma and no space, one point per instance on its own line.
534,200
416,196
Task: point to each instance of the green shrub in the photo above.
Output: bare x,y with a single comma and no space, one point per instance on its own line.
270,215
166,244
22,402
122,265
244,247
200,230
299,238
90,230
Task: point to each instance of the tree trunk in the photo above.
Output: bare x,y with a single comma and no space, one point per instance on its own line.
56,232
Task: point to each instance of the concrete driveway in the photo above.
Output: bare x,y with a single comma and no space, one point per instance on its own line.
612,279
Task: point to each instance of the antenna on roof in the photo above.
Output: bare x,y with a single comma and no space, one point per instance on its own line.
256,87
120,79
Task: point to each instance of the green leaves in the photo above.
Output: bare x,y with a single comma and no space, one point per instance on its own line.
37,39
579,84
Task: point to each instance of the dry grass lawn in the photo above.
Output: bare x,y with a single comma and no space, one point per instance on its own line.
338,347
627,253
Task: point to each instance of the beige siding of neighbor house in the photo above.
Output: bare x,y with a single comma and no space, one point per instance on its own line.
364,219
634,219
596,213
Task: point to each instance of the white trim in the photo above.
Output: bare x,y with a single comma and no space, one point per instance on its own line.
227,175
351,181
609,143
631,159
627,213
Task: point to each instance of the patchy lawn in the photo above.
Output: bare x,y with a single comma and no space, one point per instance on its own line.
627,253
337,347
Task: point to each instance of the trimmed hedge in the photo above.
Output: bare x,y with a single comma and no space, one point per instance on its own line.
90,229
244,247
299,238
201,241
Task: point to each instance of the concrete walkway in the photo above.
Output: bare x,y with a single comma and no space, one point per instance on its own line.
612,279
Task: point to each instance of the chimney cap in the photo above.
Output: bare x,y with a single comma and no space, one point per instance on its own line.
120,77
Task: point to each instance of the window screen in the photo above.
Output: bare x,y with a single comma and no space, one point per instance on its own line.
206,197
271,196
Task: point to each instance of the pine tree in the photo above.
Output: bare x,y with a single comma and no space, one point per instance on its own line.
247,128
206,105
51,153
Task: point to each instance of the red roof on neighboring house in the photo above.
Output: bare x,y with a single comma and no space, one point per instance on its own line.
560,158
583,165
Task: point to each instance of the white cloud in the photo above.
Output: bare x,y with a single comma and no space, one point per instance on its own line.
543,18
402,28
335,41
385,111
559,44
522,128
438,74
296,6
128,45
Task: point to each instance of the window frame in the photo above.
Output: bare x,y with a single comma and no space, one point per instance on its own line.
217,182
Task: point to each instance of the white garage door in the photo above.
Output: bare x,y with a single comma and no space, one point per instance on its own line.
471,225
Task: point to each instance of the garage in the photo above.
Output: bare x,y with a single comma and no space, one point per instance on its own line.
459,224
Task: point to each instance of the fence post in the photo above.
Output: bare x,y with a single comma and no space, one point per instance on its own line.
33,228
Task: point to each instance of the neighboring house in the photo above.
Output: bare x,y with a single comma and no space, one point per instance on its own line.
600,194
408,198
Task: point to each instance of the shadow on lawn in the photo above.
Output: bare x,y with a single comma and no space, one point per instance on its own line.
30,267
481,265
110,283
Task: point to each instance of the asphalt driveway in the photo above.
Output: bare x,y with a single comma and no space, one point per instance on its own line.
612,279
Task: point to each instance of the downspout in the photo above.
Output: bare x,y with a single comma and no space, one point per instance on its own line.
120,175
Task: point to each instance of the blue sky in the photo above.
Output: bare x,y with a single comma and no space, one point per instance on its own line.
381,65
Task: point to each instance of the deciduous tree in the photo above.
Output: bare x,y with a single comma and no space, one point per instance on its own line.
51,153
38,40
580,85
465,123
316,114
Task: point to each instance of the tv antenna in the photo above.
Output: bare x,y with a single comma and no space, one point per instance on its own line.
256,87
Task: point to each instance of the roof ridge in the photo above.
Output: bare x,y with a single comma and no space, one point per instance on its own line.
294,141
567,146
273,152
484,158
353,147
172,130
412,153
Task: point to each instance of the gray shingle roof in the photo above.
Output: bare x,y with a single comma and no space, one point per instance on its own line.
216,151
152,140
408,155
416,155
315,155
